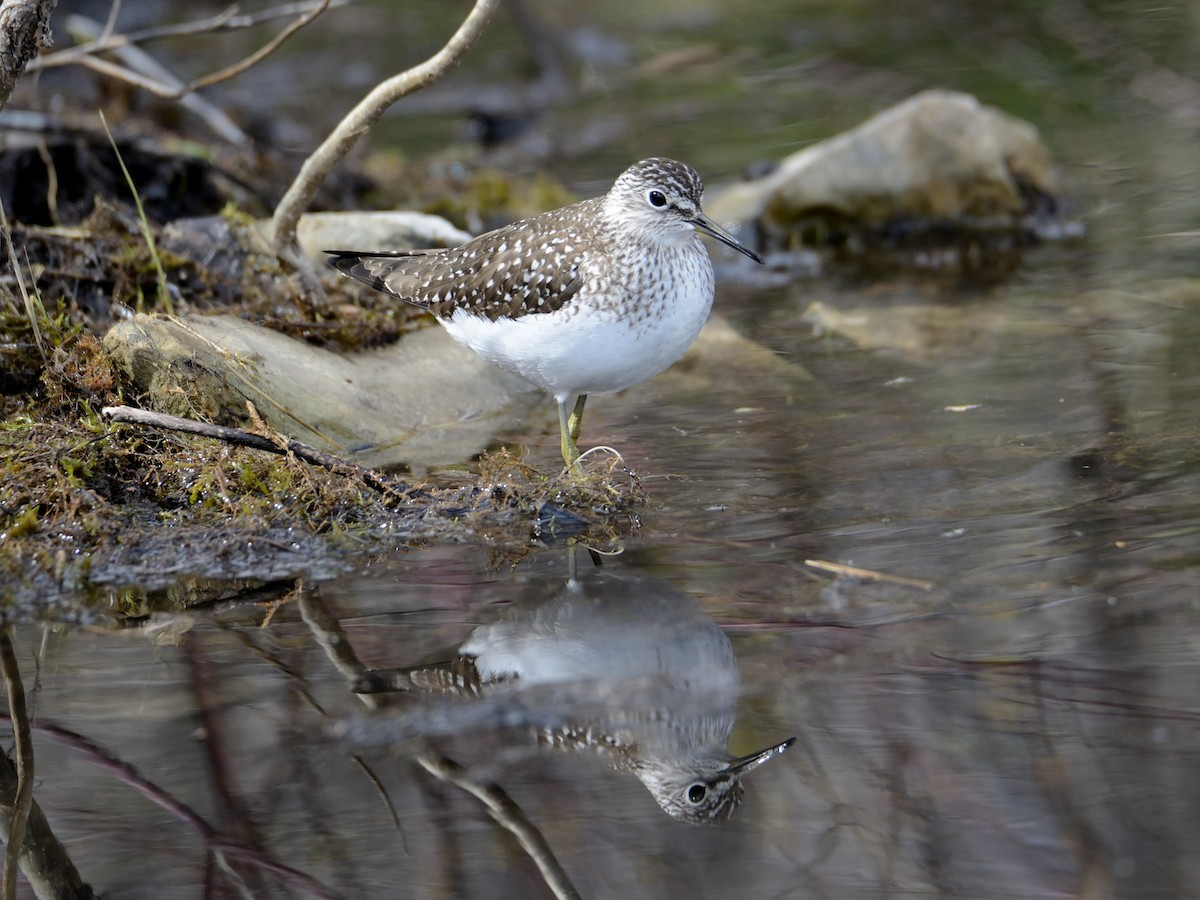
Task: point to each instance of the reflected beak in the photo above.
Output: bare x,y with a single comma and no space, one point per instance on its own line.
712,229
746,764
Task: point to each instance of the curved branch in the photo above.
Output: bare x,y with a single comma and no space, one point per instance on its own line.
351,128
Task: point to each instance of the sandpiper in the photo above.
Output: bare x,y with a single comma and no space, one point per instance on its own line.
588,299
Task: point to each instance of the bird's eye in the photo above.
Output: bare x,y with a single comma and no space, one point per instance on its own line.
657,198
696,792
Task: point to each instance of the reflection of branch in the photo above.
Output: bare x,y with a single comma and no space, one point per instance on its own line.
133,778
347,132
24,751
329,634
505,811
42,859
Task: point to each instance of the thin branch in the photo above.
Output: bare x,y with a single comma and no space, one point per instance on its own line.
259,55
128,774
335,464
110,24
44,861
352,127
226,20
140,69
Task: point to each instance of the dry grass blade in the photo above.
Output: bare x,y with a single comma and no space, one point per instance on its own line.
164,295
33,303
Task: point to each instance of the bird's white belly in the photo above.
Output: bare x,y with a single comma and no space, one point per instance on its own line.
582,349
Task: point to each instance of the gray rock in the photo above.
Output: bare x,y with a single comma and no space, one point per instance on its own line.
423,402
939,155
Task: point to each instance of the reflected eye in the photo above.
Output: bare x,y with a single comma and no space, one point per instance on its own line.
657,198
697,792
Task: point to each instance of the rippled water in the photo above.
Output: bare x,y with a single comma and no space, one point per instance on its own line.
949,535
1007,711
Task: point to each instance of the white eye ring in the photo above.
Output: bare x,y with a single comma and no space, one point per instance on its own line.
656,198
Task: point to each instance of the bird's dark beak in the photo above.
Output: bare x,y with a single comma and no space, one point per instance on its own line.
745,764
712,229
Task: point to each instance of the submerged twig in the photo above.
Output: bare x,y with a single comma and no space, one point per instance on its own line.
335,464
870,574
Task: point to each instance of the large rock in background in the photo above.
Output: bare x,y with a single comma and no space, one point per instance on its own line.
939,155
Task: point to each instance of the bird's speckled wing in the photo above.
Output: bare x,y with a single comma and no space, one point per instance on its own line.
529,267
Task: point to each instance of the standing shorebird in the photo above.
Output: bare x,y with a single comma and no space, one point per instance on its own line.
588,299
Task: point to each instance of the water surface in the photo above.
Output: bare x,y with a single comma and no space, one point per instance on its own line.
1002,705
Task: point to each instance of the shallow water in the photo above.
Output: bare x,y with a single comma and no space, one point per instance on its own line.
1007,711
1002,705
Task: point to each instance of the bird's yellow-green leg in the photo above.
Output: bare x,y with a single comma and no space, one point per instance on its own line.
570,451
575,422
568,427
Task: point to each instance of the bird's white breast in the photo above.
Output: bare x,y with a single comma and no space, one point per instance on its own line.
633,317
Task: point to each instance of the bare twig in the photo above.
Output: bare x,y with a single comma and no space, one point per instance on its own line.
352,127
226,20
262,52
138,67
142,71
170,91
335,464
110,24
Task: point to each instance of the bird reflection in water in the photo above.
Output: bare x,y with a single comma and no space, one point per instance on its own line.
633,672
